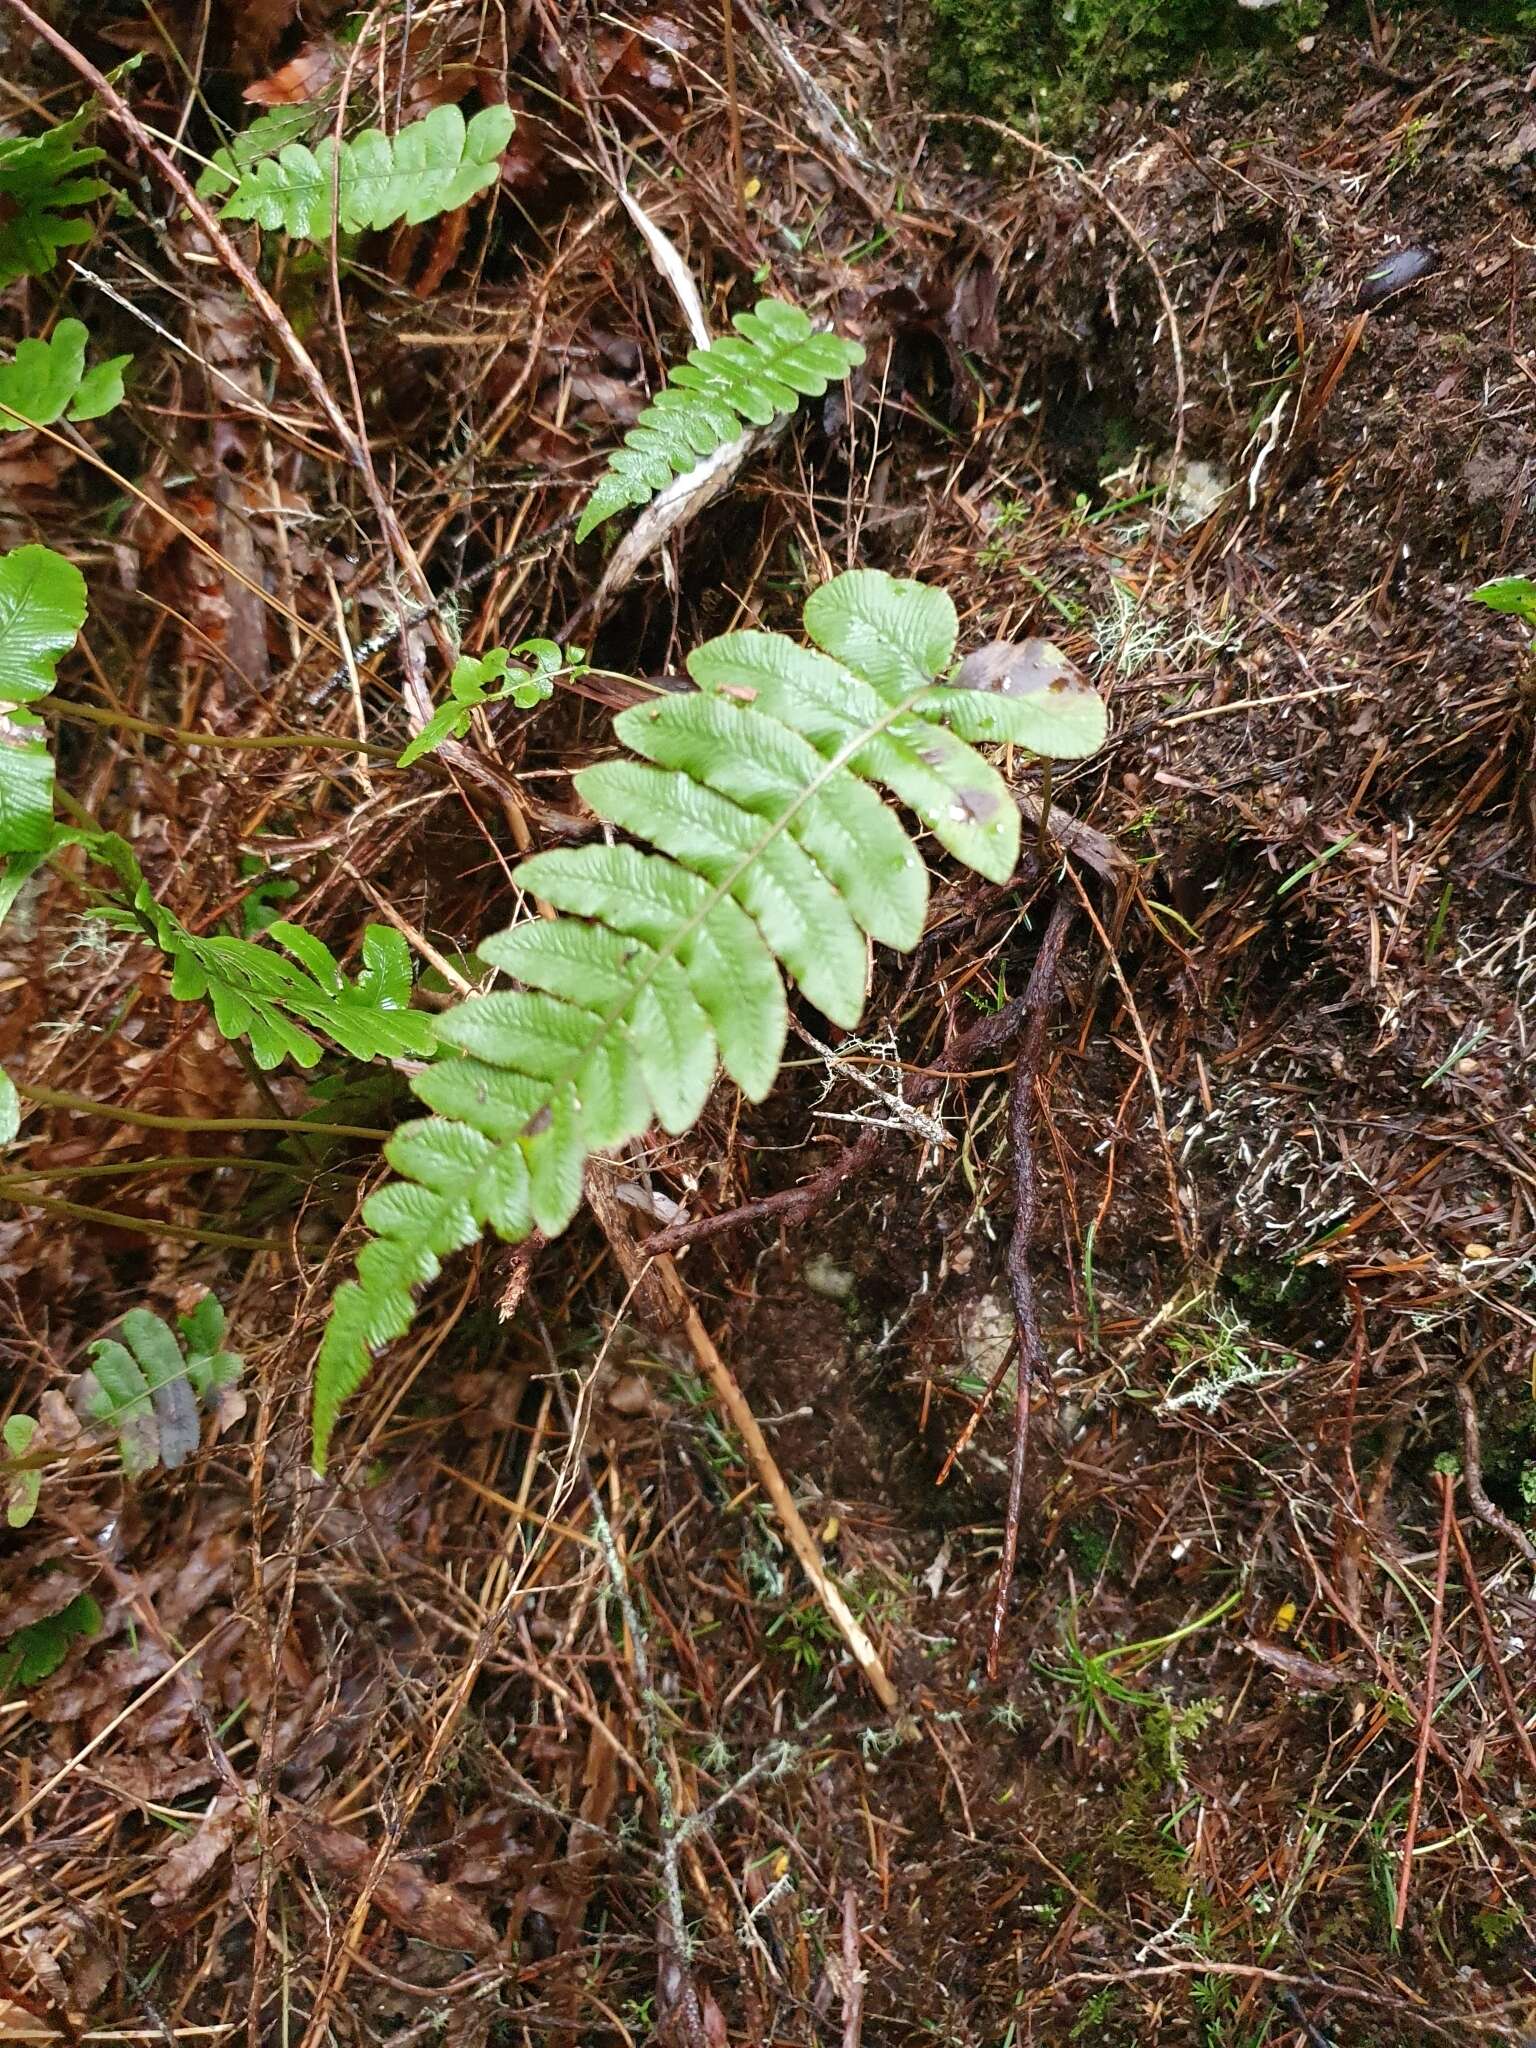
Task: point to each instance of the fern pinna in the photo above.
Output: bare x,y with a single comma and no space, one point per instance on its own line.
773,850
774,359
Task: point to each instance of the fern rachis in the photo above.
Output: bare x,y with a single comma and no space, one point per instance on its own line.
773,850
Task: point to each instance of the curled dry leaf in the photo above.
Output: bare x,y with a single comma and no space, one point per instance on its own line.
427,1911
303,78
197,1854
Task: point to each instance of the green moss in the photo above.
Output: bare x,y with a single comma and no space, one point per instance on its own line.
1495,1925
1089,1548
1047,62
1052,59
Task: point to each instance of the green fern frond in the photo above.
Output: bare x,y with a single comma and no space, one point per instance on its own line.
489,678
146,1389
774,359
277,1003
432,166
46,380
41,180
773,853
271,131
42,608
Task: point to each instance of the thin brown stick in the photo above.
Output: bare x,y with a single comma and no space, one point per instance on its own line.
801,1541
1021,1284
660,1296
853,1972
1472,1472
1491,1648
792,1204
973,1421
733,115
1427,1706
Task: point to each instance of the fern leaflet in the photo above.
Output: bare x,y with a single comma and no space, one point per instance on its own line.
42,608
773,850
40,177
145,1389
20,1481
432,166
774,359
266,135
277,1003
45,380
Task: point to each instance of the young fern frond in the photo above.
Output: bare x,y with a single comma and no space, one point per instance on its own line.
432,166
774,359
774,853
277,1004
145,1387
40,177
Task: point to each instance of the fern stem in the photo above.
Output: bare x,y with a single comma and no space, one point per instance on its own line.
144,1226
58,1098
93,714
171,1164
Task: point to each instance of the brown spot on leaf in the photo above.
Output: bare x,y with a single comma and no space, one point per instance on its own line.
977,804
1022,668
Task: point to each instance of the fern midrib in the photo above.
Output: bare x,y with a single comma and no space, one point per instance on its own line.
663,954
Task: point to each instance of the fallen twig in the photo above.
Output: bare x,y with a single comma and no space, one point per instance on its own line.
1491,1648
1021,1285
1427,1705
1472,1470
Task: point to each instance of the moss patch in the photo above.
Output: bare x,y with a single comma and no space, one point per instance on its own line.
1039,59
1046,62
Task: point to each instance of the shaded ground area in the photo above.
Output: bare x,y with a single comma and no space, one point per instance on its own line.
384,1758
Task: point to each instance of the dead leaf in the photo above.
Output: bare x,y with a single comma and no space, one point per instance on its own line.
488,1850
105,1682
1304,1672
302,78
411,1901
195,1855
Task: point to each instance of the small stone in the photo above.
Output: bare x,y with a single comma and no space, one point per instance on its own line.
1394,274
629,1395
986,1334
